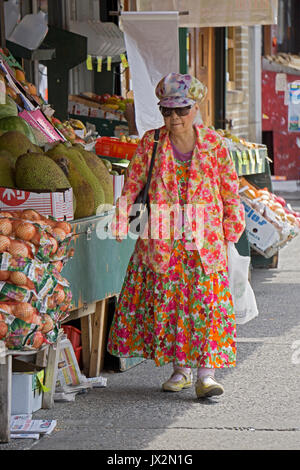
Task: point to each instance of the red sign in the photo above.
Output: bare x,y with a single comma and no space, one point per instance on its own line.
13,197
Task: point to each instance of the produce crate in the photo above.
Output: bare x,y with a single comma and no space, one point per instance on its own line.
263,180
73,334
58,204
104,127
111,147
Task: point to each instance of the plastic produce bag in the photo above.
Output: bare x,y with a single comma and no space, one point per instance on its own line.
243,297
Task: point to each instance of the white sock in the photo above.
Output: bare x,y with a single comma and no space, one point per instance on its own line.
176,376
204,372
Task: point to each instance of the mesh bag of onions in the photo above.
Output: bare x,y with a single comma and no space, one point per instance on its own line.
34,297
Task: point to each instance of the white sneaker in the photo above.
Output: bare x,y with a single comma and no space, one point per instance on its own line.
208,387
185,382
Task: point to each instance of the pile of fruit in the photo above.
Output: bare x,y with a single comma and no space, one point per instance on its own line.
14,99
108,101
128,139
19,75
34,297
68,129
273,208
236,143
26,166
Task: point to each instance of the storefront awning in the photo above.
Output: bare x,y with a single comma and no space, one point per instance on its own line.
213,13
104,39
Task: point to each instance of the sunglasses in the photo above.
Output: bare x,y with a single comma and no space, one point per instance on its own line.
166,112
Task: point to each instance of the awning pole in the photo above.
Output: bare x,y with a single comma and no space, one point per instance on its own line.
118,13
2,25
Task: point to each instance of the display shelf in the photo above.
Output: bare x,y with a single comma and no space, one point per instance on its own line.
6,356
105,127
42,53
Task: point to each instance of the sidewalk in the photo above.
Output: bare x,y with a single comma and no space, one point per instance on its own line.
289,190
259,410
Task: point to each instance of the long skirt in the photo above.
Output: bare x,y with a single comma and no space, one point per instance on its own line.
183,316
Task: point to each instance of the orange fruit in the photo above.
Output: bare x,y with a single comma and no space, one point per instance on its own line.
59,294
30,214
38,340
3,329
20,75
6,307
4,275
25,231
17,278
59,233
24,311
18,248
4,243
5,226
65,226
47,324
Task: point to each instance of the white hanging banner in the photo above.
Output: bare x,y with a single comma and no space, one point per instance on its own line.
213,13
151,40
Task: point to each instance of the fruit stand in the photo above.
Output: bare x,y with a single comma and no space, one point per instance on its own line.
49,177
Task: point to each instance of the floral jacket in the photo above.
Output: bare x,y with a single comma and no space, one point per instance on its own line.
212,191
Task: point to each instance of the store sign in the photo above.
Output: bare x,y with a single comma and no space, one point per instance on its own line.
213,13
294,106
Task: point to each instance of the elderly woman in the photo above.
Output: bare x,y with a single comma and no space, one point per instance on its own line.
175,305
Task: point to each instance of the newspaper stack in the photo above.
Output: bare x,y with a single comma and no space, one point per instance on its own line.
24,427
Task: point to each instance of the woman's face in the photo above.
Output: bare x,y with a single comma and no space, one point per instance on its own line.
177,125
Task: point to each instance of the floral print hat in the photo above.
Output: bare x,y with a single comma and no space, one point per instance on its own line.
177,90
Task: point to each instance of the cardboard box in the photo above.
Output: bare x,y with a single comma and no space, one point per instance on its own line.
58,204
80,106
260,232
27,381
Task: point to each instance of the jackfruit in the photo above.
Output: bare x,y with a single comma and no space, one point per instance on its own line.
84,204
4,154
6,174
36,171
16,143
81,166
99,169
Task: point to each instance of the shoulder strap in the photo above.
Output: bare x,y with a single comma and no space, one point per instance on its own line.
156,139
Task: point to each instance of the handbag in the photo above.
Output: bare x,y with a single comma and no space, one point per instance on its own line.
244,302
137,221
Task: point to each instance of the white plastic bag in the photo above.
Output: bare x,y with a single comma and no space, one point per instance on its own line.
243,297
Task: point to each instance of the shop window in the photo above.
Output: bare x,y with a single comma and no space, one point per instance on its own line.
230,59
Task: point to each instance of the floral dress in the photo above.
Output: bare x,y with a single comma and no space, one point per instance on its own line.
183,316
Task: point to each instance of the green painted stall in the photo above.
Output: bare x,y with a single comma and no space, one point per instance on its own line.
98,267
96,274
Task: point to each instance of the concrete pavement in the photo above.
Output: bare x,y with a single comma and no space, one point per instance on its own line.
259,410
